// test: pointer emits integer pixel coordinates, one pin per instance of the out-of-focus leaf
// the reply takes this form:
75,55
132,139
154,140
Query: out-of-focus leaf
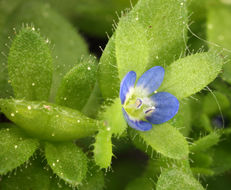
27,178
205,142
218,32
140,183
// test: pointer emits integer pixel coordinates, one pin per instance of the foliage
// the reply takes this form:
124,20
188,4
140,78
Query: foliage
61,119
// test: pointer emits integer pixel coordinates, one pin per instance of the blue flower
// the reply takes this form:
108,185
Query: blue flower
142,104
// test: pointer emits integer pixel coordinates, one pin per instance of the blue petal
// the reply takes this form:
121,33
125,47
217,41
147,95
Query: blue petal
127,82
166,107
151,79
137,124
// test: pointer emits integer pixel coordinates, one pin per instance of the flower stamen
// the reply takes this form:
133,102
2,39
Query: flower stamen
138,103
150,110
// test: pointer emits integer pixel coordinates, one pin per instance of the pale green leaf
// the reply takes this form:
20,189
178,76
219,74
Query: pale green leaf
182,120
114,119
108,72
153,33
166,140
103,148
191,74
175,179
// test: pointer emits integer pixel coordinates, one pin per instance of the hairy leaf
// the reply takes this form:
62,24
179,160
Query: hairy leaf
182,120
15,148
166,140
114,119
49,121
103,148
67,161
153,33
30,66
108,72
77,85
191,74
177,180
68,45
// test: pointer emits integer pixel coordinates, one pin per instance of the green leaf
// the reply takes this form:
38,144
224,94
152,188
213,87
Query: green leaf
221,157
97,14
57,184
30,65
68,45
191,74
103,148
198,18
15,148
182,120
49,121
177,180
204,122
221,182
28,178
114,119
157,163
140,183
77,85
6,7
214,103
201,160
67,161
94,180
93,105
166,140
202,172
144,40
218,32
132,48
6,125
205,142
108,72
124,171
